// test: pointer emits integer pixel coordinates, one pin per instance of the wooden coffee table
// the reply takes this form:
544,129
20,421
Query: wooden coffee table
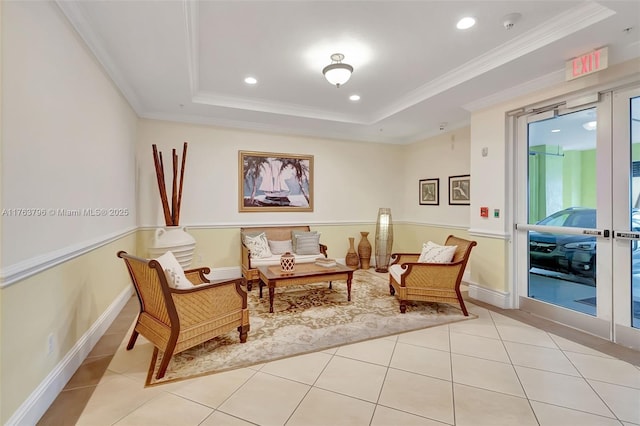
304,273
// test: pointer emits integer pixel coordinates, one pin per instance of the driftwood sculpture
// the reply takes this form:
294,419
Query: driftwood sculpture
171,212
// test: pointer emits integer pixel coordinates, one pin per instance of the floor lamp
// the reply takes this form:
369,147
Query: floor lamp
384,239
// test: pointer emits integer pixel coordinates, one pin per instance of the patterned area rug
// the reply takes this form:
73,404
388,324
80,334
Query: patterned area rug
306,319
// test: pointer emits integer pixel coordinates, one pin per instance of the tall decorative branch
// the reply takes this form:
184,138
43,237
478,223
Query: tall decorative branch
171,212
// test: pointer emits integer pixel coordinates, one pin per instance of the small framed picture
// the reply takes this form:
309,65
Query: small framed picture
429,192
459,190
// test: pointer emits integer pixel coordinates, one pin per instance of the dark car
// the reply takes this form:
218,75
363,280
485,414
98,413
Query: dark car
570,254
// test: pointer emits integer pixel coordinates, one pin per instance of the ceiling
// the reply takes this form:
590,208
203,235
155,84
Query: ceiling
186,61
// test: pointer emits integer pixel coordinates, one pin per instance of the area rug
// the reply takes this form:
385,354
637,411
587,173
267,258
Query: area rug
306,319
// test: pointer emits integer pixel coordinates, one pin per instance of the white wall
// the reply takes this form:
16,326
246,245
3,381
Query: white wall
351,179
68,142
438,157
68,137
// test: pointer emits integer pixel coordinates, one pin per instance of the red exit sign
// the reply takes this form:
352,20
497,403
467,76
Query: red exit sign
587,64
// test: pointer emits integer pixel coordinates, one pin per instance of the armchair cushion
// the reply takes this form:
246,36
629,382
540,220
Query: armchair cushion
174,273
280,247
259,245
434,253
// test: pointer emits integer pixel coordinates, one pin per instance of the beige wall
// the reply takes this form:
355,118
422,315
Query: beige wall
68,142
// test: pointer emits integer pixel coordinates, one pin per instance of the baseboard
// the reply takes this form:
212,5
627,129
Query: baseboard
34,407
492,297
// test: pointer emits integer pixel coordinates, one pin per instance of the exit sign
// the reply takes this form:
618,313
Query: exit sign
587,64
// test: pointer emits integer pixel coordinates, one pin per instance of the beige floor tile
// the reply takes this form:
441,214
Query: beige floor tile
486,374
622,400
221,419
115,397
169,410
388,416
478,327
478,407
500,319
526,334
265,399
376,351
553,415
606,369
303,368
134,363
420,395
540,357
416,359
321,408
353,378
479,347
433,337
214,389
569,346
559,389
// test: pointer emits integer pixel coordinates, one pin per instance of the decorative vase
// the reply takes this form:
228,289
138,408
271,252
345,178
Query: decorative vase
351,259
364,251
287,263
175,239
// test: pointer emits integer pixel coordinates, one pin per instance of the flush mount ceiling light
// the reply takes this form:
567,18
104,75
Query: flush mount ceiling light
250,80
337,73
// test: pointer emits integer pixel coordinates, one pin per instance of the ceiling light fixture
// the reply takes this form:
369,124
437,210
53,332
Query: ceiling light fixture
250,80
354,97
466,23
337,73
590,125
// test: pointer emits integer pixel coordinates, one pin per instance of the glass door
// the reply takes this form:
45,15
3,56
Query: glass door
563,225
577,240
626,216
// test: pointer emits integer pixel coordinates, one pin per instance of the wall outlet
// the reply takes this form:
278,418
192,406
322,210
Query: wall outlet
51,343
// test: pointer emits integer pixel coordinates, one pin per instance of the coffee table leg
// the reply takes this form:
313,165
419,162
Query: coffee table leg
330,285
349,289
260,284
271,292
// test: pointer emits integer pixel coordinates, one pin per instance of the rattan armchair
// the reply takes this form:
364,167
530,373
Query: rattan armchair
430,282
175,320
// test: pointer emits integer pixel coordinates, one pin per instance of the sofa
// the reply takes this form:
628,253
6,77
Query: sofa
299,240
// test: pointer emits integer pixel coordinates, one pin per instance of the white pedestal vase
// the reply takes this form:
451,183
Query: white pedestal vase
175,239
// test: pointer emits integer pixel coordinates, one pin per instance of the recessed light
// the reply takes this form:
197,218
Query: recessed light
354,97
250,80
466,23
555,130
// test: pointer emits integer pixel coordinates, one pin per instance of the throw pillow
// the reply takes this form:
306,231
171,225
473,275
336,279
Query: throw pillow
280,247
308,244
173,271
294,239
258,245
434,253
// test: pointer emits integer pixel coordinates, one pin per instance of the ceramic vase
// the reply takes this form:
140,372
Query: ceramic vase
364,251
352,260
287,263
175,239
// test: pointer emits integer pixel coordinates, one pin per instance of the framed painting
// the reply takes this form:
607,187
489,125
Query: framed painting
429,192
275,182
459,190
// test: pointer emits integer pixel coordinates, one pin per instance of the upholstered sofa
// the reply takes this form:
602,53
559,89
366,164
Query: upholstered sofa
280,239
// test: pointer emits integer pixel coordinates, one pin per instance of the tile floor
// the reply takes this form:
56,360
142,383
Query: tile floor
503,368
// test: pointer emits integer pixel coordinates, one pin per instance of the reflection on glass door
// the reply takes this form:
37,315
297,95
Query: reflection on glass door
634,210
562,203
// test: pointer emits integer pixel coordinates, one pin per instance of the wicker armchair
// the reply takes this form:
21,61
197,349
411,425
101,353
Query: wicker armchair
430,282
175,320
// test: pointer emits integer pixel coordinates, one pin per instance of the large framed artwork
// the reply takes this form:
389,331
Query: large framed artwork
459,190
429,192
275,182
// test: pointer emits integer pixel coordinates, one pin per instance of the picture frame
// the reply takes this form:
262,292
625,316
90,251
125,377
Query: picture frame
460,190
275,182
429,192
